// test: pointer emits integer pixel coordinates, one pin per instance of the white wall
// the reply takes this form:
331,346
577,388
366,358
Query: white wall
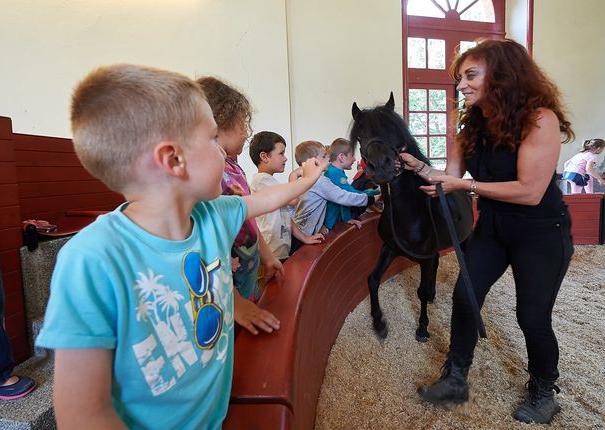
341,51
569,43
517,12
301,62
48,45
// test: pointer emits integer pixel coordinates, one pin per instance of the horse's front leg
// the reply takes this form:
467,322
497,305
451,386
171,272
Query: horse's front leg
426,294
384,261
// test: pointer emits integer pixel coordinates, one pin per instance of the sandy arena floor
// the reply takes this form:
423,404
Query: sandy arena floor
372,385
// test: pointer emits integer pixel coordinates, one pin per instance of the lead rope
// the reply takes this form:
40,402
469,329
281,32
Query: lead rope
468,286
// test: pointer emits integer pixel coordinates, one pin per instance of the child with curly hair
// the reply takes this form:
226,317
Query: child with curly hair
232,113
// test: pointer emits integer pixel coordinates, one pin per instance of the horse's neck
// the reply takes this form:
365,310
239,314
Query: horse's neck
407,220
406,197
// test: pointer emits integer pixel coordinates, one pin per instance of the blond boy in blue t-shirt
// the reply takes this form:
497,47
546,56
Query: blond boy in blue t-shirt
141,306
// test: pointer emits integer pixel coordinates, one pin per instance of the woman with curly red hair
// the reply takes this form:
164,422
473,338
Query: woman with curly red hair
509,141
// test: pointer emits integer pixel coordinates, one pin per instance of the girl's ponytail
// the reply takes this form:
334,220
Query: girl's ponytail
591,144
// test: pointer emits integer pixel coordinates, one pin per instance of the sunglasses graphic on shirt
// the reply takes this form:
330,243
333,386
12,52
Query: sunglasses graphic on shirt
207,315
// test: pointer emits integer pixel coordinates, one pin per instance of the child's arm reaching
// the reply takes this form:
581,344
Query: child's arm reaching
272,266
251,317
82,391
293,176
355,222
271,198
307,240
591,168
333,193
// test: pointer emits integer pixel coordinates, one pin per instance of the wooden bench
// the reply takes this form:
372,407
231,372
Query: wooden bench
277,377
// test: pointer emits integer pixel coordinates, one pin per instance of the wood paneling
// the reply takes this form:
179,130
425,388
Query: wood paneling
258,417
60,188
9,261
12,281
20,347
8,193
14,324
52,180
10,238
13,303
10,241
8,171
6,128
29,142
52,174
9,216
40,178
57,205
46,158
585,211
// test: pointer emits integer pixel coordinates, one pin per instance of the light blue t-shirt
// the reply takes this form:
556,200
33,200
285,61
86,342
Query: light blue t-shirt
165,307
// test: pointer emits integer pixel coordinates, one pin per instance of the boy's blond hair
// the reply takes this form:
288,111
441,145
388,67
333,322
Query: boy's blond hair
339,146
307,149
120,111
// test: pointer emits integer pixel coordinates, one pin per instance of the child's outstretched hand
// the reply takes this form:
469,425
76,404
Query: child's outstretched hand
355,222
312,240
295,174
237,189
273,268
312,169
251,317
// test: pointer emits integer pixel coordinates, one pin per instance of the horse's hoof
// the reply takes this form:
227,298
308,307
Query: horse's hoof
422,336
381,330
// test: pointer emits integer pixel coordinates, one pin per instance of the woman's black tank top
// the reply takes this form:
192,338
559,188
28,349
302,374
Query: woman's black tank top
488,164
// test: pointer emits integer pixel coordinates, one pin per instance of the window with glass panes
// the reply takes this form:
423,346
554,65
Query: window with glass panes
435,30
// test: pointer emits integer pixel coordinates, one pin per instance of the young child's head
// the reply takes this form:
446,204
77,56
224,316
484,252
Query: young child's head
310,149
268,152
593,145
341,154
135,127
232,113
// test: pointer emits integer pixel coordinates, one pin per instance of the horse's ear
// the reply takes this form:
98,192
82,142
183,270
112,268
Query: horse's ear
391,103
355,111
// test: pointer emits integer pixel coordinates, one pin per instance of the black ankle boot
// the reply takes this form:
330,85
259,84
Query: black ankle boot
452,386
539,405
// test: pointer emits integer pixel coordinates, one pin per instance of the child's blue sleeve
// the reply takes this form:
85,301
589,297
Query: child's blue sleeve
340,180
82,311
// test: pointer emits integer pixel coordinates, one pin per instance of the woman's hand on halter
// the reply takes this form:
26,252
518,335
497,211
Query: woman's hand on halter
409,161
448,182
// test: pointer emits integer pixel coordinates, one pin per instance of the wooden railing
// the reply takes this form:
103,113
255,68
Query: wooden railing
277,377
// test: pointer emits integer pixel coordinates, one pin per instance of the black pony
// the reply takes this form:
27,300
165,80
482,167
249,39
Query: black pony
412,223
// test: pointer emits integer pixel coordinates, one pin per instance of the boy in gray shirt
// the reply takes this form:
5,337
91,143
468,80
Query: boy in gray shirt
311,207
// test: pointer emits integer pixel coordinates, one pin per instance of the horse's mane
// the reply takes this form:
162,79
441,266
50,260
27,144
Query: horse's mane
385,124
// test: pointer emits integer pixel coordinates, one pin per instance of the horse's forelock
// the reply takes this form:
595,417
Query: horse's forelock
387,125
